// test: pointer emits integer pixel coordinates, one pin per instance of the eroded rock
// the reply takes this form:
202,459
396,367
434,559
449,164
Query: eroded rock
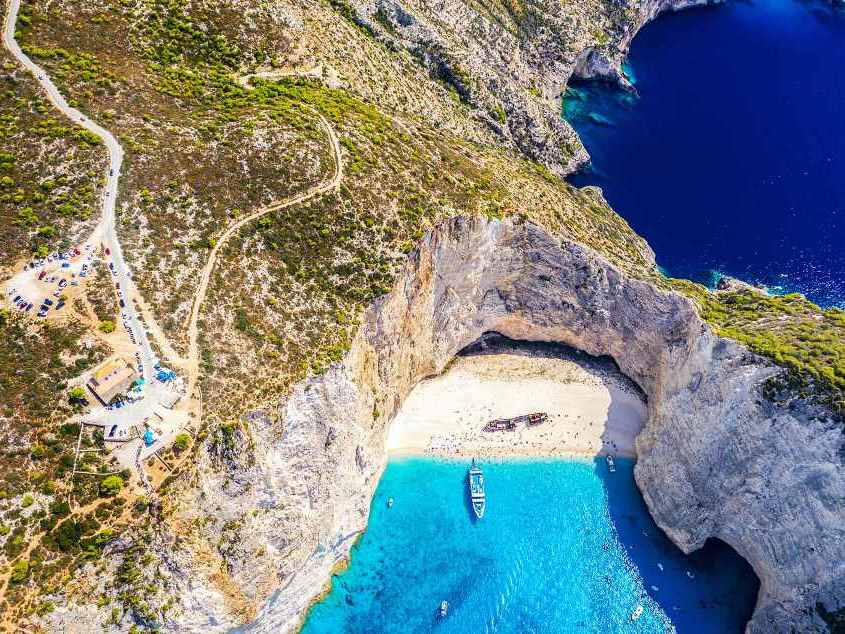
715,458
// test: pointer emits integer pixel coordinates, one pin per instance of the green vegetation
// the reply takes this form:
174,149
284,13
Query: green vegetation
20,571
790,330
181,442
49,170
76,394
34,360
100,294
498,113
289,290
111,485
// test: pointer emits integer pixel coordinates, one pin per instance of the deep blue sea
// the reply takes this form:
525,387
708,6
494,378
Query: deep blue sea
732,156
564,546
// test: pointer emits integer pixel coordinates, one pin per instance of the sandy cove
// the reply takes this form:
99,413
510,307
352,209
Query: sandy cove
593,409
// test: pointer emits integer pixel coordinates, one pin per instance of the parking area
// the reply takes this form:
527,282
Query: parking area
43,285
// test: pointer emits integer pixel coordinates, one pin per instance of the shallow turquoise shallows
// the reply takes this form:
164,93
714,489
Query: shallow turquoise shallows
564,546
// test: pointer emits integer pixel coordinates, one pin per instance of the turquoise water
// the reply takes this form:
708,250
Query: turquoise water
564,546
730,158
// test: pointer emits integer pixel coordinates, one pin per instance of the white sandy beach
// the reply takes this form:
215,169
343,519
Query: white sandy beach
592,409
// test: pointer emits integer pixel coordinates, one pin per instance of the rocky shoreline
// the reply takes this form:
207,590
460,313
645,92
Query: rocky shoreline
512,69
715,458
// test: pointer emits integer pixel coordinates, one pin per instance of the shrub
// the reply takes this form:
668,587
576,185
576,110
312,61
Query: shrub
181,443
20,571
111,485
76,394
27,500
107,326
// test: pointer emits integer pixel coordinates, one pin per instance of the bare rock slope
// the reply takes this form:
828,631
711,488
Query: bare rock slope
716,459
510,62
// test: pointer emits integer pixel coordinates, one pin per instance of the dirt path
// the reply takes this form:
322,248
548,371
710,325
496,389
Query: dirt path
317,190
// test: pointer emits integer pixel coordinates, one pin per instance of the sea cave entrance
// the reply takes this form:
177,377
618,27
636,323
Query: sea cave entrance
592,408
566,543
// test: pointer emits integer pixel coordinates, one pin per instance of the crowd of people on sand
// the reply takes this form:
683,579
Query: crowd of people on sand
524,442
576,426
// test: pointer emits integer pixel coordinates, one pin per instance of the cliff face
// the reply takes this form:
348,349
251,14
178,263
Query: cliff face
510,62
715,458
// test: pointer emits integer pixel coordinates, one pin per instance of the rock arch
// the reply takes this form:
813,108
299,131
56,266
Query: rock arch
715,459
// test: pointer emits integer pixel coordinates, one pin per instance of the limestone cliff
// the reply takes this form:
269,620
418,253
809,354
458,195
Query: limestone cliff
715,458
510,62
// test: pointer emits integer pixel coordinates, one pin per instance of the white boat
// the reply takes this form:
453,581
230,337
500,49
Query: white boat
637,613
476,490
444,608
389,502
611,466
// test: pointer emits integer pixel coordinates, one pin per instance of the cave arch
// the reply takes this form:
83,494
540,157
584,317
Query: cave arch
705,455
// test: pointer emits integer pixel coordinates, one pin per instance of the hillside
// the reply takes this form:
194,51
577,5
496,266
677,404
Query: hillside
228,115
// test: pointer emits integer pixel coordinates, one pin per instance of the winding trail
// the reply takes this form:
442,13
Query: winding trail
105,229
202,290
106,232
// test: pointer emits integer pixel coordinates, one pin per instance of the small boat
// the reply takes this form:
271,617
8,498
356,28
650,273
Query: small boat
444,608
389,502
476,490
637,613
611,466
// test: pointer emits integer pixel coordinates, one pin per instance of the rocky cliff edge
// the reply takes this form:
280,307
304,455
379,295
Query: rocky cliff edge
715,458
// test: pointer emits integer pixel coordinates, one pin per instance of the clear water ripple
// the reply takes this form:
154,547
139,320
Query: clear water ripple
563,547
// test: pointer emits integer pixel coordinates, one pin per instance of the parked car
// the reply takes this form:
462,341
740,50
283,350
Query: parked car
65,265
59,305
48,301
42,312
41,275
122,303
17,299
29,307
74,283
108,251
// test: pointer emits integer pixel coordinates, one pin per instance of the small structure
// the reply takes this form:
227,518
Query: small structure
500,424
170,399
509,424
110,379
164,375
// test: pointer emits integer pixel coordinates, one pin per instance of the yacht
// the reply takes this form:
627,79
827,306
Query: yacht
476,490
611,466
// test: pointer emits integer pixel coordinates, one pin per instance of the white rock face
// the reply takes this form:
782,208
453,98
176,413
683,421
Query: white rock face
715,458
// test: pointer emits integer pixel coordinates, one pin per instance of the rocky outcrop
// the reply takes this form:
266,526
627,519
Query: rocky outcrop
715,458
605,62
511,62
